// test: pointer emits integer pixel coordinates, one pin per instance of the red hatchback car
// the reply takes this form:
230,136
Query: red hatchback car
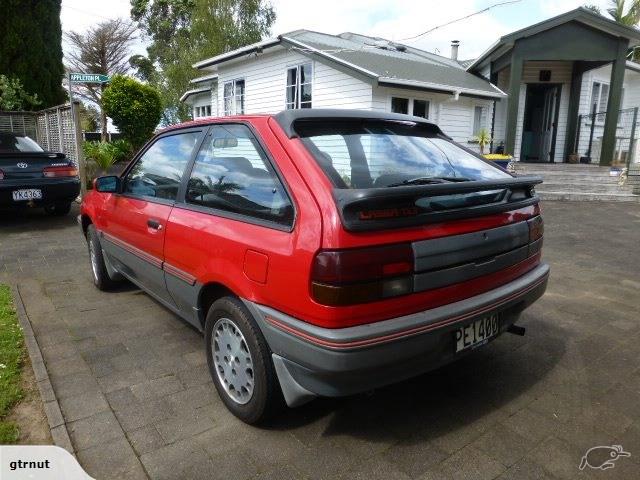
321,252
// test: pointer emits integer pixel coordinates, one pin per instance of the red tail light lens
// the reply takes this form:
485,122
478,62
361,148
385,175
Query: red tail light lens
1,175
346,277
61,171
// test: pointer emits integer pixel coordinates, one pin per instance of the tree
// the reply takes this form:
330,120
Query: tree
102,49
31,47
89,118
629,17
13,96
183,32
134,107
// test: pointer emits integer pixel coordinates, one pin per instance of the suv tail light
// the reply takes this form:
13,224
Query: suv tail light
1,175
346,277
61,171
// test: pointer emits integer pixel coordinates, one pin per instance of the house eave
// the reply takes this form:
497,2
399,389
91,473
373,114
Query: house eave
225,57
192,92
205,78
450,89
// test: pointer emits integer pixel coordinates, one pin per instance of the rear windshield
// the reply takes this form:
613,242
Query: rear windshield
10,143
375,154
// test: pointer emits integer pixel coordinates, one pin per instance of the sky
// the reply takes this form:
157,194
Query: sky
391,19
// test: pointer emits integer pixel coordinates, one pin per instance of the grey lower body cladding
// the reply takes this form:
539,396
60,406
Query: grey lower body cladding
313,361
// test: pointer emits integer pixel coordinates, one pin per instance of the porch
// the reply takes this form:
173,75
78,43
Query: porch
548,71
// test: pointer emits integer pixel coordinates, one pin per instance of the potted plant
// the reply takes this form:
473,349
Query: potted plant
483,138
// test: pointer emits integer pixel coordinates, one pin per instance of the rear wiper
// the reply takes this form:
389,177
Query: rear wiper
428,181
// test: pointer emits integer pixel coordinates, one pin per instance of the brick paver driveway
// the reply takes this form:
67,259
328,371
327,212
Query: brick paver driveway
137,398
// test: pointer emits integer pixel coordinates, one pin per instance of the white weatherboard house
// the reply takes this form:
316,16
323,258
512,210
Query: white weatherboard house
532,89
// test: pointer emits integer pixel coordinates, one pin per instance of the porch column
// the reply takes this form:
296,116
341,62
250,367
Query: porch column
574,106
613,104
515,78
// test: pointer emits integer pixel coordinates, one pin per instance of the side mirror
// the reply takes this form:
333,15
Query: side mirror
109,184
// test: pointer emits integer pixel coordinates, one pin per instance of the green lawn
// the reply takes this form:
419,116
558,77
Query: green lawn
11,361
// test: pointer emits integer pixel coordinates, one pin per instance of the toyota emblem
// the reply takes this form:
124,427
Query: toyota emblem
21,165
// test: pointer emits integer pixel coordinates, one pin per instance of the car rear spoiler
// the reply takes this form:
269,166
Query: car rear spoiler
408,206
51,155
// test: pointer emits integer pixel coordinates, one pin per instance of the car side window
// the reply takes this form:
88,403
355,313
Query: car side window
159,170
232,173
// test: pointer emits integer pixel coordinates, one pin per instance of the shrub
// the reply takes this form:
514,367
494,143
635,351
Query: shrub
14,97
123,150
134,107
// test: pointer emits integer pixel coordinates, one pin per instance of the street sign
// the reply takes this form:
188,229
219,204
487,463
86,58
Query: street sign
88,78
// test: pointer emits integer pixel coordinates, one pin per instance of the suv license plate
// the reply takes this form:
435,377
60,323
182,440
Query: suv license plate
26,195
477,333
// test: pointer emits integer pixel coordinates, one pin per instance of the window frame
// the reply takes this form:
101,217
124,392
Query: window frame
297,102
233,96
486,113
410,105
241,217
181,188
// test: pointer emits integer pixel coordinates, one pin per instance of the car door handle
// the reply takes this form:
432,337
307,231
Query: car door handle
155,224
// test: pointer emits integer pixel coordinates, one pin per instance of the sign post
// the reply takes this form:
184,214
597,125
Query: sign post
75,115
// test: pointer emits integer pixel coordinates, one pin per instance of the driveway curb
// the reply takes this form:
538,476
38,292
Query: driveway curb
55,419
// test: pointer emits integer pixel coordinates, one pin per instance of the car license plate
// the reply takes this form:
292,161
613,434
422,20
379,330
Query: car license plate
27,194
477,333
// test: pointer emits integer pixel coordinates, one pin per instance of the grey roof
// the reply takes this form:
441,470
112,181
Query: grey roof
466,63
391,63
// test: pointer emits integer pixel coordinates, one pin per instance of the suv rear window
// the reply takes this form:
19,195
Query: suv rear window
375,154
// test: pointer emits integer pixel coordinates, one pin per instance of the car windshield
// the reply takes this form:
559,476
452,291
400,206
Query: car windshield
374,154
11,143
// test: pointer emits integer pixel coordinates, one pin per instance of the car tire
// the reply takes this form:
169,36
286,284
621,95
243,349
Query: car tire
99,272
230,333
58,209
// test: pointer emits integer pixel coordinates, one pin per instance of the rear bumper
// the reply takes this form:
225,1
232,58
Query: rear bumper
314,361
53,191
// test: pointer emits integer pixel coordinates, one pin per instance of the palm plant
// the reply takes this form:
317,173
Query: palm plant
100,157
629,17
483,138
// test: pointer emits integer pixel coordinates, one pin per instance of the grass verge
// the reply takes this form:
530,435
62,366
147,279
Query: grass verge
11,360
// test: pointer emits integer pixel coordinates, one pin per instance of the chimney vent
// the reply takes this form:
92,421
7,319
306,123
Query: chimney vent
455,44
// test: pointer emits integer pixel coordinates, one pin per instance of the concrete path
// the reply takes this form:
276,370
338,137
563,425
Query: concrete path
137,400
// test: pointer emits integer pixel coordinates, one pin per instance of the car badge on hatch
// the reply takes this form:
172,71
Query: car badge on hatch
21,165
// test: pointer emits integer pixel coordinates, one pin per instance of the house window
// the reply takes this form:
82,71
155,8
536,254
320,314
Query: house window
479,119
299,86
418,108
203,111
421,108
233,97
599,97
400,105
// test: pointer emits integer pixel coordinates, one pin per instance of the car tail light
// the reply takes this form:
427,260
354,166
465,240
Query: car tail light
536,228
61,171
1,175
346,277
